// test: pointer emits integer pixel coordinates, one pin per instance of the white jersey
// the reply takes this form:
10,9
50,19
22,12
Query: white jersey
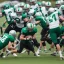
21,23
8,12
31,13
53,20
56,9
34,6
44,11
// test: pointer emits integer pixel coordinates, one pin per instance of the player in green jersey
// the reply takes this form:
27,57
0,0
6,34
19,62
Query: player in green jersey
26,37
7,39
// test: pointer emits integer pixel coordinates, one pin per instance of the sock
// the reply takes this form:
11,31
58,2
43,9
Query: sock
39,48
60,53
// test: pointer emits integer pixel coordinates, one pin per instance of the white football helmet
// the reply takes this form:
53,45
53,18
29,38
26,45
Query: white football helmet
13,33
51,10
19,9
38,14
30,25
48,4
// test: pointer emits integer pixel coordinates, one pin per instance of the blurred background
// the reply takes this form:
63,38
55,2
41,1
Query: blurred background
24,0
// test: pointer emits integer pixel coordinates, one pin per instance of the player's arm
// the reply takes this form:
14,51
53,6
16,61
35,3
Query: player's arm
22,37
4,23
37,22
24,18
10,46
1,14
62,18
34,36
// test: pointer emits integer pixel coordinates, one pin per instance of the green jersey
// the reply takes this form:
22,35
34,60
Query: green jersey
4,40
26,32
42,21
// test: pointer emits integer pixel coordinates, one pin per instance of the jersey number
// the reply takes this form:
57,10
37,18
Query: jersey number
53,17
3,39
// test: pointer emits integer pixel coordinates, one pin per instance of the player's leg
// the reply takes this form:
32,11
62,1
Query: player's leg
36,43
29,46
43,32
54,40
19,50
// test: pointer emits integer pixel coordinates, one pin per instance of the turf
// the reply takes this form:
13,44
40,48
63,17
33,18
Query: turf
25,59
45,58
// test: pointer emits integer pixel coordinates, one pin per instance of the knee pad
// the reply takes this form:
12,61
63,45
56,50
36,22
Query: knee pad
36,43
44,44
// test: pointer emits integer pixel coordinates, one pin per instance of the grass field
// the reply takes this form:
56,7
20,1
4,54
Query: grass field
45,58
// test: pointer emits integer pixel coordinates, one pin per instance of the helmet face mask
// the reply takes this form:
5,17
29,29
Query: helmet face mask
58,3
27,10
18,13
47,7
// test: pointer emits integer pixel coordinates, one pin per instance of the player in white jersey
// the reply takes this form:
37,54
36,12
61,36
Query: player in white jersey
45,9
31,13
33,4
22,5
6,12
54,29
57,5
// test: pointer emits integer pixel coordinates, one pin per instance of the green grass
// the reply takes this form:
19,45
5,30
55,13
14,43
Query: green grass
25,59
30,59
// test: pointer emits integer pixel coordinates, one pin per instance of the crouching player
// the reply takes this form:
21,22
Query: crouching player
26,37
8,39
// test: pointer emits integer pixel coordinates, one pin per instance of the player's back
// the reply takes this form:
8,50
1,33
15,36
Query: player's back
54,20
4,40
